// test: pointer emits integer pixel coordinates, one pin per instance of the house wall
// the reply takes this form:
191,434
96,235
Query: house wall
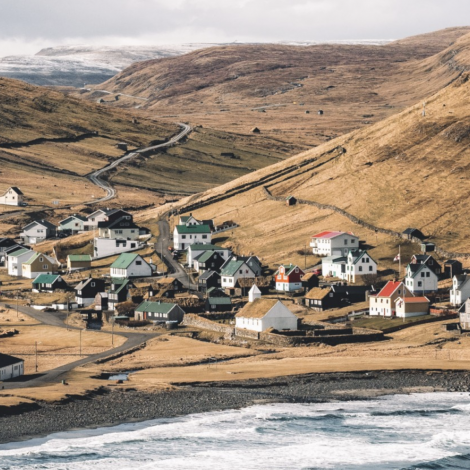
231,281
330,268
14,370
75,225
104,247
406,310
133,270
78,264
15,264
11,198
428,284
354,272
459,294
194,253
31,271
339,245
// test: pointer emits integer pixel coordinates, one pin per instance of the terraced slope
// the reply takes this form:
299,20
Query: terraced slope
408,170
280,88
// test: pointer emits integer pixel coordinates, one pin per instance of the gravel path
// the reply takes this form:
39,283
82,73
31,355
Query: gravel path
115,405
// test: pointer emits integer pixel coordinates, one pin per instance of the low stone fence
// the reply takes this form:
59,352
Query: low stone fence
241,333
205,324
402,326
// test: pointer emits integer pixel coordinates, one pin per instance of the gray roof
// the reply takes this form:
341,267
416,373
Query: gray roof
6,360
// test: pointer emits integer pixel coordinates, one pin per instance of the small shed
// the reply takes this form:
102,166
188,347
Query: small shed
78,262
159,312
10,367
309,281
49,283
452,268
122,146
218,304
291,201
320,112
427,247
255,130
410,233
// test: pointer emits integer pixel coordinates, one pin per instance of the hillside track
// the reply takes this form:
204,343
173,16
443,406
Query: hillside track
107,187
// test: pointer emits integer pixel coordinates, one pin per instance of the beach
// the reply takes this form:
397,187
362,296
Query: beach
109,406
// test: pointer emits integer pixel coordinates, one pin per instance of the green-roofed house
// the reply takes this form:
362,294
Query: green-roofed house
73,224
130,265
209,261
186,235
197,249
38,264
234,270
218,304
159,312
49,283
15,260
75,262
118,292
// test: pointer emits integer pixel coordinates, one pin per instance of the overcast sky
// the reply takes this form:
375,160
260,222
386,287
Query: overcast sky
28,25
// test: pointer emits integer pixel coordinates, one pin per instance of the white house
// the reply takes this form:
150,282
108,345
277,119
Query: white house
94,218
254,293
10,367
383,303
359,263
186,235
406,307
197,249
233,271
420,279
330,243
191,220
104,247
123,227
12,197
130,265
38,231
16,259
460,291
73,224
334,266
263,313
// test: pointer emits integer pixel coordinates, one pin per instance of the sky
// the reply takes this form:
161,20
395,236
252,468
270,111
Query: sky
26,26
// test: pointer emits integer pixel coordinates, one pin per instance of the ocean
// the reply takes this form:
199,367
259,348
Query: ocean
417,431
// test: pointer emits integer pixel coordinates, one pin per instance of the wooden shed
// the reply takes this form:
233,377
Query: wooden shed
291,201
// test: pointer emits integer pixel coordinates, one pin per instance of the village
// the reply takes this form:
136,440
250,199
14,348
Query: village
124,278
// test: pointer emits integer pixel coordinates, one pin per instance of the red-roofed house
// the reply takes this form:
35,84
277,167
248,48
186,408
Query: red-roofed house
384,302
411,306
331,243
288,278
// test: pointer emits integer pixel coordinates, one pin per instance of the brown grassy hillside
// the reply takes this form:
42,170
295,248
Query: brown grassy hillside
274,86
408,170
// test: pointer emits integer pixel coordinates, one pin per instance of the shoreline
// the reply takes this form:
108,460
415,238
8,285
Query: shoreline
108,407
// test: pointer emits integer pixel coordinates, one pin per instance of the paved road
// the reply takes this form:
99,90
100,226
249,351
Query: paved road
55,375
106,186
163,241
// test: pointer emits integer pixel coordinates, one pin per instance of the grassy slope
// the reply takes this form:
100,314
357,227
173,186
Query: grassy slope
407,170
354,85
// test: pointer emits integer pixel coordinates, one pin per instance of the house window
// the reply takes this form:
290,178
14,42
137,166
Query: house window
360,268
370,268
45,266
41,259
183,237
138,263
241,271
346,241
428,274
92,284
420,283
132,231
422,274
204,237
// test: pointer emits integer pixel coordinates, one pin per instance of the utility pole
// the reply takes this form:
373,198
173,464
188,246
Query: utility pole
112,333
305,256
17,298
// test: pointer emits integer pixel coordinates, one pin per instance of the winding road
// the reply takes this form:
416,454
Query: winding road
54,375
106,186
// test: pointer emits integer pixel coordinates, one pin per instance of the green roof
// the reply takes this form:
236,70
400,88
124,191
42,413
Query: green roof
79,257
33,258
19,252
124,260
220,300
154,307
206,256
231,268
206,247
46,279
184,229
288,268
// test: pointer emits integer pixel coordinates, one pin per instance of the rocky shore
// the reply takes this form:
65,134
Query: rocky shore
115,405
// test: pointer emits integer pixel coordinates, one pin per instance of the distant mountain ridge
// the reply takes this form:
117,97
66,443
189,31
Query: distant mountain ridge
76,65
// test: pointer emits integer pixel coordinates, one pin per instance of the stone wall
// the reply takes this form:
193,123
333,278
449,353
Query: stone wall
204,323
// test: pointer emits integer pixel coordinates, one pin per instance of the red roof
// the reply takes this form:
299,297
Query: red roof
389,288
327,234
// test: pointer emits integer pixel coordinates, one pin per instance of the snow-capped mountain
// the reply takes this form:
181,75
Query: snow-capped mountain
81,64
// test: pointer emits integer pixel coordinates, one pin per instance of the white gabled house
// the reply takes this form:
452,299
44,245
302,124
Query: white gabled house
334,266
94,218
420,279
460,291
383,303
73,224
359,263
186,235
10,367
262,313
38,231
15,260
406,307
12,197
130,265
197,249
104,247
331,243
233,271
